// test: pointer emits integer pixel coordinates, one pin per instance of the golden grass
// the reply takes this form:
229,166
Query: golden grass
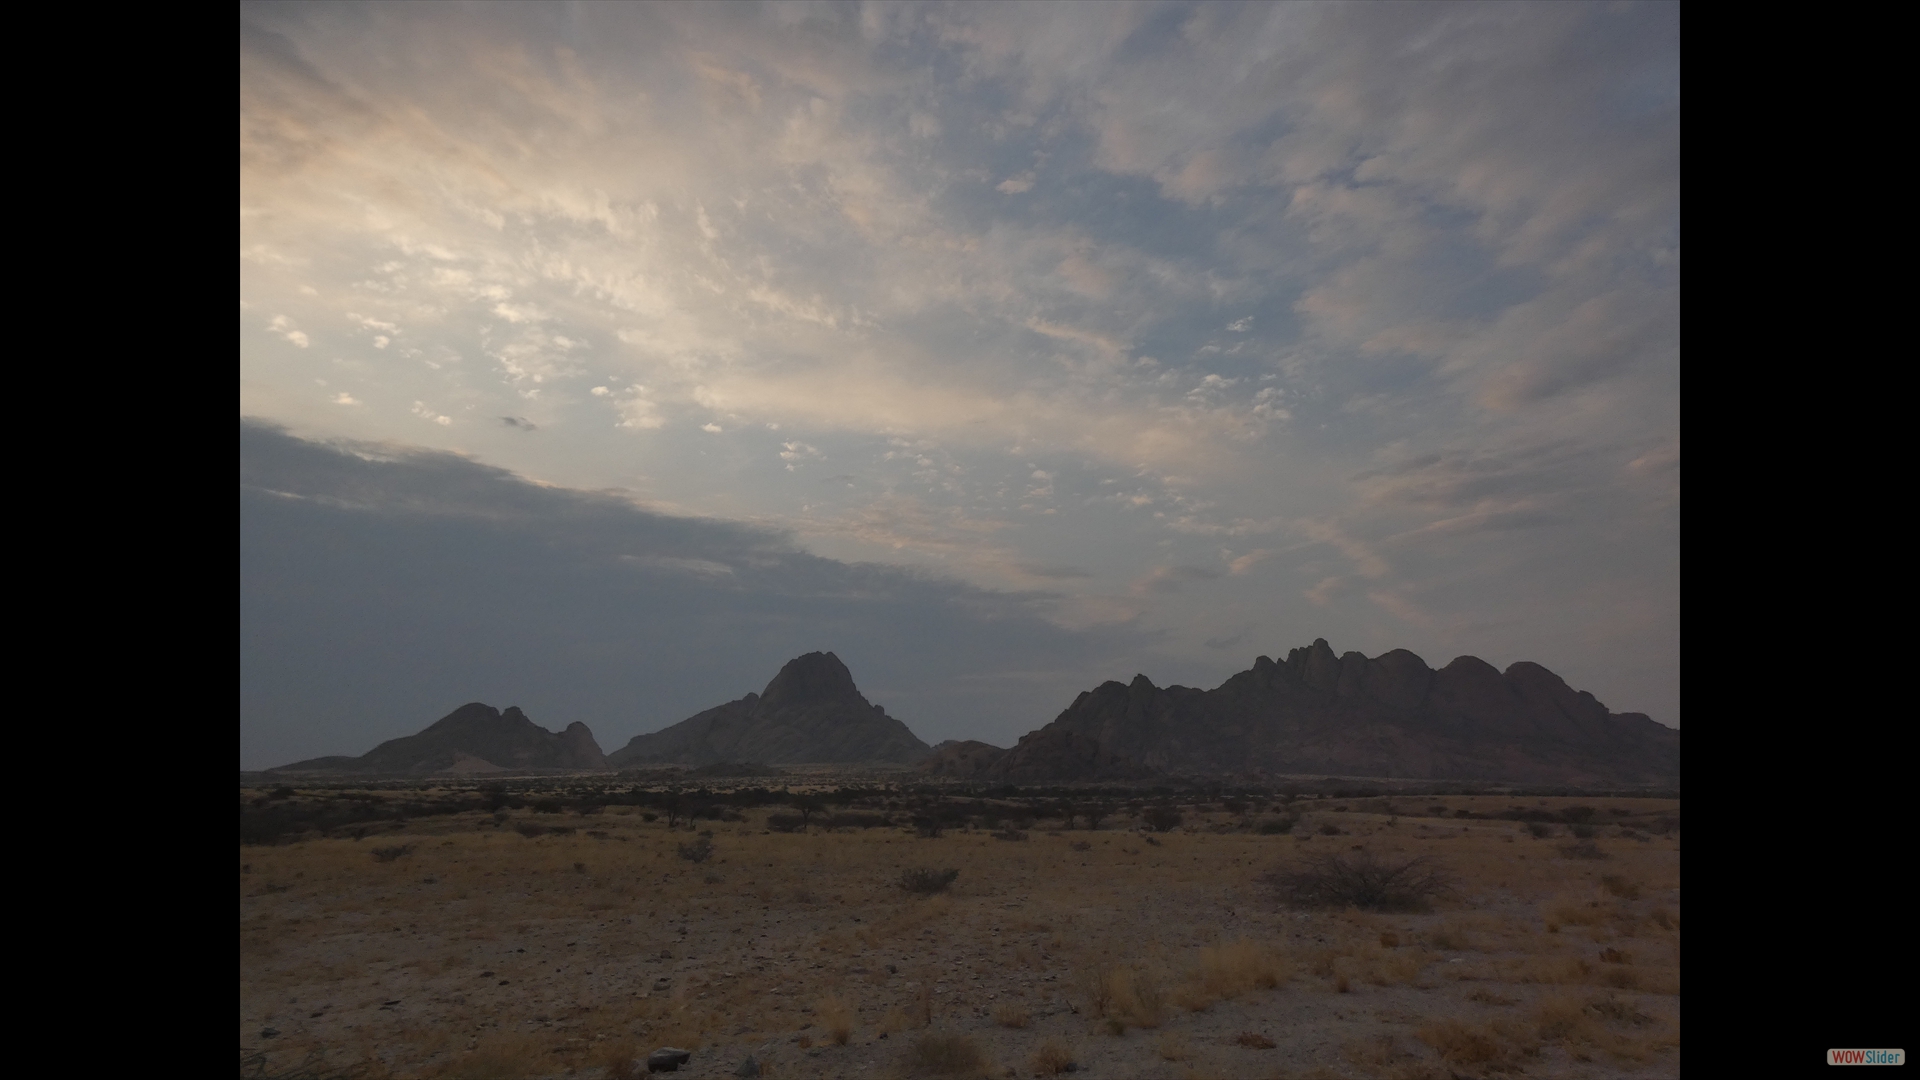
1052,1058
1009,1015
836,1018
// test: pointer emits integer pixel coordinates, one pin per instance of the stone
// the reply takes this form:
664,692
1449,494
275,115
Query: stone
748,1068
668,1059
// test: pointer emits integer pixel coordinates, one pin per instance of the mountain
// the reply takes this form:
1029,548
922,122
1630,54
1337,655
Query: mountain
1348,715
810,712
474,738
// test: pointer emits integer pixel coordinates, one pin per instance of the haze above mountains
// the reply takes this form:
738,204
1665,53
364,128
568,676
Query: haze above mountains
1313,712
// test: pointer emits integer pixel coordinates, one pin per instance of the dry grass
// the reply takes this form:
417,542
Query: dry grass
1126,996
836,1018
1173,1046
578,928
1009,1015
946,1054
1052,1058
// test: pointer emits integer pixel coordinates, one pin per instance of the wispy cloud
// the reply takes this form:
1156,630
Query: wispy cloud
1383,295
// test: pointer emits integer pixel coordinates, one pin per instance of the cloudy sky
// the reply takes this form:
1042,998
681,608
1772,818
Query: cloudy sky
599,358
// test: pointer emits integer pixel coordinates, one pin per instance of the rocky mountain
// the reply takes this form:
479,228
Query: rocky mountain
810,713
474,738
1315,712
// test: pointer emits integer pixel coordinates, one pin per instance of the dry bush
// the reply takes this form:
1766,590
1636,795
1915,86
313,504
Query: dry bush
1173,1046
946,1054
1363,881
1007,1014
1461,1043
1620,886
926,882
836,1017
1583,849
388,854
1389,939
1052,1059
1253,1040
1126,997
1080,845
1226,971
697,852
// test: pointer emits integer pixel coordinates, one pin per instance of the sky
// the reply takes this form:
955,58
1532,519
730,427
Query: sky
598,359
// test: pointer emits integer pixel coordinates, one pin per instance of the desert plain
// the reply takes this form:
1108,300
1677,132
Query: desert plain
557,928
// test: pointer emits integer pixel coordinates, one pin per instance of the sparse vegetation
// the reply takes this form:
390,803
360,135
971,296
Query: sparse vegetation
1363,881
697,852
836,1018
1556,954
1052,1058
926,882
388,854
946,1054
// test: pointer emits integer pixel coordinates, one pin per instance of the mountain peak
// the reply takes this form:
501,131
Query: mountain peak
815,676
810,712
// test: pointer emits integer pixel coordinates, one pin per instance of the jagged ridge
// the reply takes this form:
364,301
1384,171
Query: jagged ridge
1313,712
471,739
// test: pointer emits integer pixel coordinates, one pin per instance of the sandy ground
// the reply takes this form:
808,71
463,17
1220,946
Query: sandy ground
482,952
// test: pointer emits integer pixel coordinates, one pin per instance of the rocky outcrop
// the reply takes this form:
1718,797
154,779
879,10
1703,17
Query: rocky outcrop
961,759
473,739
1349,715
810,713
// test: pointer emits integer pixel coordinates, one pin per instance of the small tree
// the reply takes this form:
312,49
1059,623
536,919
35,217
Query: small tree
1162,818
1095,813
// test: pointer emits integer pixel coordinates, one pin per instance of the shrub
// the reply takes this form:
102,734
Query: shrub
946,1054
1460,1043
1620,887
1010,834
1007,1014
1253,1040
1583,849
697,852
388,854
926,882
785,823
836,1016
1162,818
1330,829
1080,845
1362,881
1052,1058
1276,826
1583,832
1540,829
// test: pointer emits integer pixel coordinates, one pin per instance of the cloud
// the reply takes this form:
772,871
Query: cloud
382,585
1390,290
1169,578
520,423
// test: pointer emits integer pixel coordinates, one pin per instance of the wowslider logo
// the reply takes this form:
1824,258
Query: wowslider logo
1866,1057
